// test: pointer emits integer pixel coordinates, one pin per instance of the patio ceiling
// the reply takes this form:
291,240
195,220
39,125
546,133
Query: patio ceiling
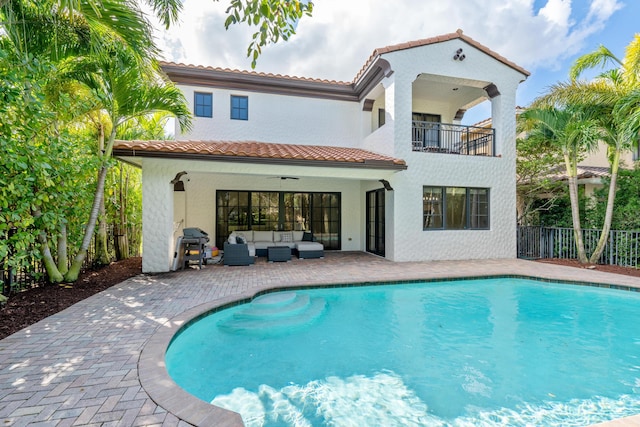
462,93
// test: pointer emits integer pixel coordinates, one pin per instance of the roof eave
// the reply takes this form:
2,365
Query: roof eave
228,79
366,164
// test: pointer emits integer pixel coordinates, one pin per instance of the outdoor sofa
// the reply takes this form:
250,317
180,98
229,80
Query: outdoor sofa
301,243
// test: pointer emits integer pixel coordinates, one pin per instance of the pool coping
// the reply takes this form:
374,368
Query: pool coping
156,381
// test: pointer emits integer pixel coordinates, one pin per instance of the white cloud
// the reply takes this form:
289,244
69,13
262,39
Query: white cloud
341,35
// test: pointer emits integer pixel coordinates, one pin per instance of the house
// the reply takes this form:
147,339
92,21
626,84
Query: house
379,164
595,166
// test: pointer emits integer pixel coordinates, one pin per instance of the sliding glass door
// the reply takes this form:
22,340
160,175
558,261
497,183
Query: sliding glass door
375,221
319,213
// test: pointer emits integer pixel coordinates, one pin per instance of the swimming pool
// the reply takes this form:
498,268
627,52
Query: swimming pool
482,352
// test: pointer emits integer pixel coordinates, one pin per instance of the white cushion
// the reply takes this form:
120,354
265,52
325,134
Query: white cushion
263,236
290,245
309,246
248,234
252,249
262,245
232,238
297,235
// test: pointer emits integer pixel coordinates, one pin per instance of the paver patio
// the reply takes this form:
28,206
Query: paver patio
79,367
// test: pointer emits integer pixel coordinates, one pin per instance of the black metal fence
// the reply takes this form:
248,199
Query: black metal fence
434,137
622,248
34,274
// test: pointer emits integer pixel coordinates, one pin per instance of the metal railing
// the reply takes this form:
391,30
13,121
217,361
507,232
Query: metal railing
622,248
434,137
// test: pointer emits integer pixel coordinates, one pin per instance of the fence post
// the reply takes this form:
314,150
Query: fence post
611,247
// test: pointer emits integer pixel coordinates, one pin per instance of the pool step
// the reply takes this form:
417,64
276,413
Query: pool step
274,299
267,317
261,310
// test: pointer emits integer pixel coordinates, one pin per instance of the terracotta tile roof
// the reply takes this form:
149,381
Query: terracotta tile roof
218,150
377,52
254,73
439,39
584,172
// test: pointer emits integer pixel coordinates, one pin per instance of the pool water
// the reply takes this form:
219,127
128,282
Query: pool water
461,353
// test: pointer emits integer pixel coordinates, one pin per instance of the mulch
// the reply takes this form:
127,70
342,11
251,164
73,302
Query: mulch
28,307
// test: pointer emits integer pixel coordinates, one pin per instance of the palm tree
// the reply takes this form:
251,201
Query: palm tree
122,90
613,99
574,133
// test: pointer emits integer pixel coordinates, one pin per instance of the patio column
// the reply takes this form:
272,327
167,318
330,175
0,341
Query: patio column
157,217
398,100
504,122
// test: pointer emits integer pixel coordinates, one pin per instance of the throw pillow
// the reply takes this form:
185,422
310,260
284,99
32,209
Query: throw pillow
285,237
241,239
232,238
307,237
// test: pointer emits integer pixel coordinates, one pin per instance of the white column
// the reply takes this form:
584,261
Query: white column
402,107
503,116
400,202
157,217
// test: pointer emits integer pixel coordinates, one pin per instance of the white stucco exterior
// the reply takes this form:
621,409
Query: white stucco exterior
424,79
277,118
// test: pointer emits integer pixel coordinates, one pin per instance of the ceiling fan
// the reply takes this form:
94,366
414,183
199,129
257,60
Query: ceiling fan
283,177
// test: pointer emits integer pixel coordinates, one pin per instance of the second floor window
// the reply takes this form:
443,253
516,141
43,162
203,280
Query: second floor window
203,104
239,107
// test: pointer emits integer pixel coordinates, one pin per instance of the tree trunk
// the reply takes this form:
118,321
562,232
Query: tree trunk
575,209
102,253
53,274
63,261
74,270
608,217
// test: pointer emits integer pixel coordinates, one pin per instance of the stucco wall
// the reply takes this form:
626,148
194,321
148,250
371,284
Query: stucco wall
157,216
279,119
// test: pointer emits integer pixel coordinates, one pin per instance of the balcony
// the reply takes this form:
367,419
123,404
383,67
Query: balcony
447,138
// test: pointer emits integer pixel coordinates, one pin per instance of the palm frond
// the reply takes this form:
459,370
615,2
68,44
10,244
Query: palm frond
600,57
123,19
166,10
632,59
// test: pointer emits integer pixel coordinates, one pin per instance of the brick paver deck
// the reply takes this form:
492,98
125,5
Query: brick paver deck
79,367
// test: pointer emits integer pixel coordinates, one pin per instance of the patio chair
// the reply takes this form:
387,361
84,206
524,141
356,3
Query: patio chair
237,254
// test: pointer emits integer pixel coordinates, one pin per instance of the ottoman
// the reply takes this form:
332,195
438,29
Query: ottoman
278,253
310,250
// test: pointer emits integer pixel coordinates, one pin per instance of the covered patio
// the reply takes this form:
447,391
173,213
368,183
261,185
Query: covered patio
221,187
80,366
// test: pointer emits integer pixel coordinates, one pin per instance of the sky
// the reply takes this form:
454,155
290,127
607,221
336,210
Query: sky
543,36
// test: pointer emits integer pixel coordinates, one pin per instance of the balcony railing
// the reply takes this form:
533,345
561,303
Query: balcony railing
431,137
